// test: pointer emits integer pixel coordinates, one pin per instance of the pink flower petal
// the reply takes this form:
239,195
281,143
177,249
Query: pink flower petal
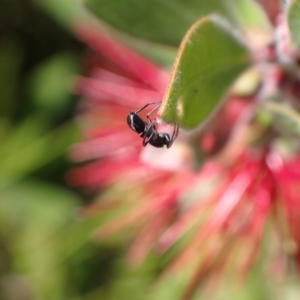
141,68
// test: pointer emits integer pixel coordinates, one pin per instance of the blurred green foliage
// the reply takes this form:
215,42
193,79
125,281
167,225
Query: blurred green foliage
45,252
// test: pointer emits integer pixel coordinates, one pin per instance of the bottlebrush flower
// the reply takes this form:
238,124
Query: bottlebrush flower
246,176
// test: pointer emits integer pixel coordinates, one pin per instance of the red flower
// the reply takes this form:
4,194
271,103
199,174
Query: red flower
243,182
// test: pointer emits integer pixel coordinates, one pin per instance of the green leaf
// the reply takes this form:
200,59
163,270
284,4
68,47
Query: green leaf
209,60
167,21
293,18
160,21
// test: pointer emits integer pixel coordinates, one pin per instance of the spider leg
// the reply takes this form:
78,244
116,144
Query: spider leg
147,138
148,115
146,105
174,135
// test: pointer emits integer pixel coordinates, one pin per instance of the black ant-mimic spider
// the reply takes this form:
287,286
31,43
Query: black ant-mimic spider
148,130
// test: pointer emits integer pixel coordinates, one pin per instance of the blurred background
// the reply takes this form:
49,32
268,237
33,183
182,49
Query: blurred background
45,251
